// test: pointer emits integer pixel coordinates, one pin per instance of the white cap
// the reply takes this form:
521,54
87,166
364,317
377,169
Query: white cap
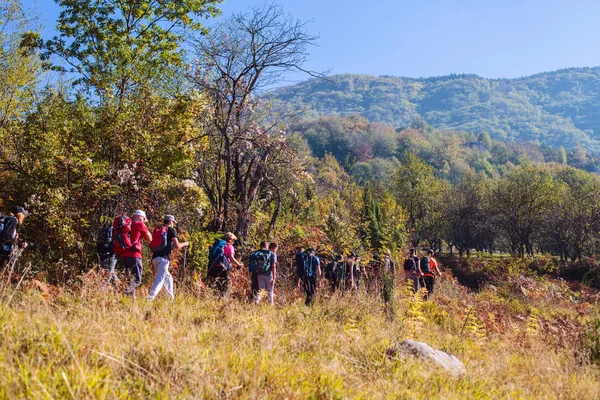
140,213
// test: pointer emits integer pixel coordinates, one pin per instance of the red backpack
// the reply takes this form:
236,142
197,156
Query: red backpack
122,234
159,239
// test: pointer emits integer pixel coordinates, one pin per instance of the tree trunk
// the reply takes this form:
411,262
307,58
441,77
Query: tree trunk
273,224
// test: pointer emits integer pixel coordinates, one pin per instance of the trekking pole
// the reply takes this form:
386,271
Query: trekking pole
184,264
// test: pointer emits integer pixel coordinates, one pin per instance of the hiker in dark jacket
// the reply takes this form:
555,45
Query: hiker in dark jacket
11,245
218,272
335,272
412,272
309,273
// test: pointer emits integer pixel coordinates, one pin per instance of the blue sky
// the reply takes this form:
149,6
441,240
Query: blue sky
491,38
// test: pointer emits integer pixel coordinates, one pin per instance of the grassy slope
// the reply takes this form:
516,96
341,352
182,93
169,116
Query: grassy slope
520,340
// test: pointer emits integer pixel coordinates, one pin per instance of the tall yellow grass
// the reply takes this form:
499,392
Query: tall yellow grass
87,344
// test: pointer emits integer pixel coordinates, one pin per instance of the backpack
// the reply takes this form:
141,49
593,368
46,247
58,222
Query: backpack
329,270
106,243
410,265
8,228
425,268
338,270
300,261
309,269
122,234
159,240
216,258
260,261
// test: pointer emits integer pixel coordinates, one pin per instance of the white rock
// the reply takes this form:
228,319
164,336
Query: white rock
425,351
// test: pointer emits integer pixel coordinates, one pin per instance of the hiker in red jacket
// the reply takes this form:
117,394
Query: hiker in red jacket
132,256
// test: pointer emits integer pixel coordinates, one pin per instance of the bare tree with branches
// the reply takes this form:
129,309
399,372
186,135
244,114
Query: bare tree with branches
246,139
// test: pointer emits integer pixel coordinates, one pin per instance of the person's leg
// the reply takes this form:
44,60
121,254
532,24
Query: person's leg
428,281
112,274
262,285
309,288
430,285
169,283
4,260
416,284
254,287
135,268
160,266
222,283
128,263
269,288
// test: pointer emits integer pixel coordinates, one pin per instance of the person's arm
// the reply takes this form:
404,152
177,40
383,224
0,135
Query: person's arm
230,254
350,264
436,269
318,273
145,234
176,244
236,262
419,272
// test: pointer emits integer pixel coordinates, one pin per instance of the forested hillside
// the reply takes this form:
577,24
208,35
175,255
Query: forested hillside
556,108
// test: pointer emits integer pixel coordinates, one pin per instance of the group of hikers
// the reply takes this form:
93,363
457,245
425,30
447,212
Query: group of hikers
342,274
122,242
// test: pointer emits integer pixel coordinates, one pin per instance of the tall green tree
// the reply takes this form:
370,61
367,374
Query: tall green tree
118,47
372,220
575,215
19,68
422,195
466,214
522,200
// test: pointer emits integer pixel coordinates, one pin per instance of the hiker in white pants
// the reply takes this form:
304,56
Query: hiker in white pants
164,240
266,279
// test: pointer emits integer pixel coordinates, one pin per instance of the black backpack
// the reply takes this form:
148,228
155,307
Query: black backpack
425,268
410,265
106,244
8,228
300,261
334,271
338,271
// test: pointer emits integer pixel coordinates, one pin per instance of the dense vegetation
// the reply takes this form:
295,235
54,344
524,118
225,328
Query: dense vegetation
132,132
556,108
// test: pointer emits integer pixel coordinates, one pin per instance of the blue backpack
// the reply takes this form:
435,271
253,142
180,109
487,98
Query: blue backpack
216,258
310,269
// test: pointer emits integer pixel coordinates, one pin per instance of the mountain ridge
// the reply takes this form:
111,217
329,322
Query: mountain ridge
558,108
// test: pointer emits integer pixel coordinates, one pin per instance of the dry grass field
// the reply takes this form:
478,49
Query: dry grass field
529,339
